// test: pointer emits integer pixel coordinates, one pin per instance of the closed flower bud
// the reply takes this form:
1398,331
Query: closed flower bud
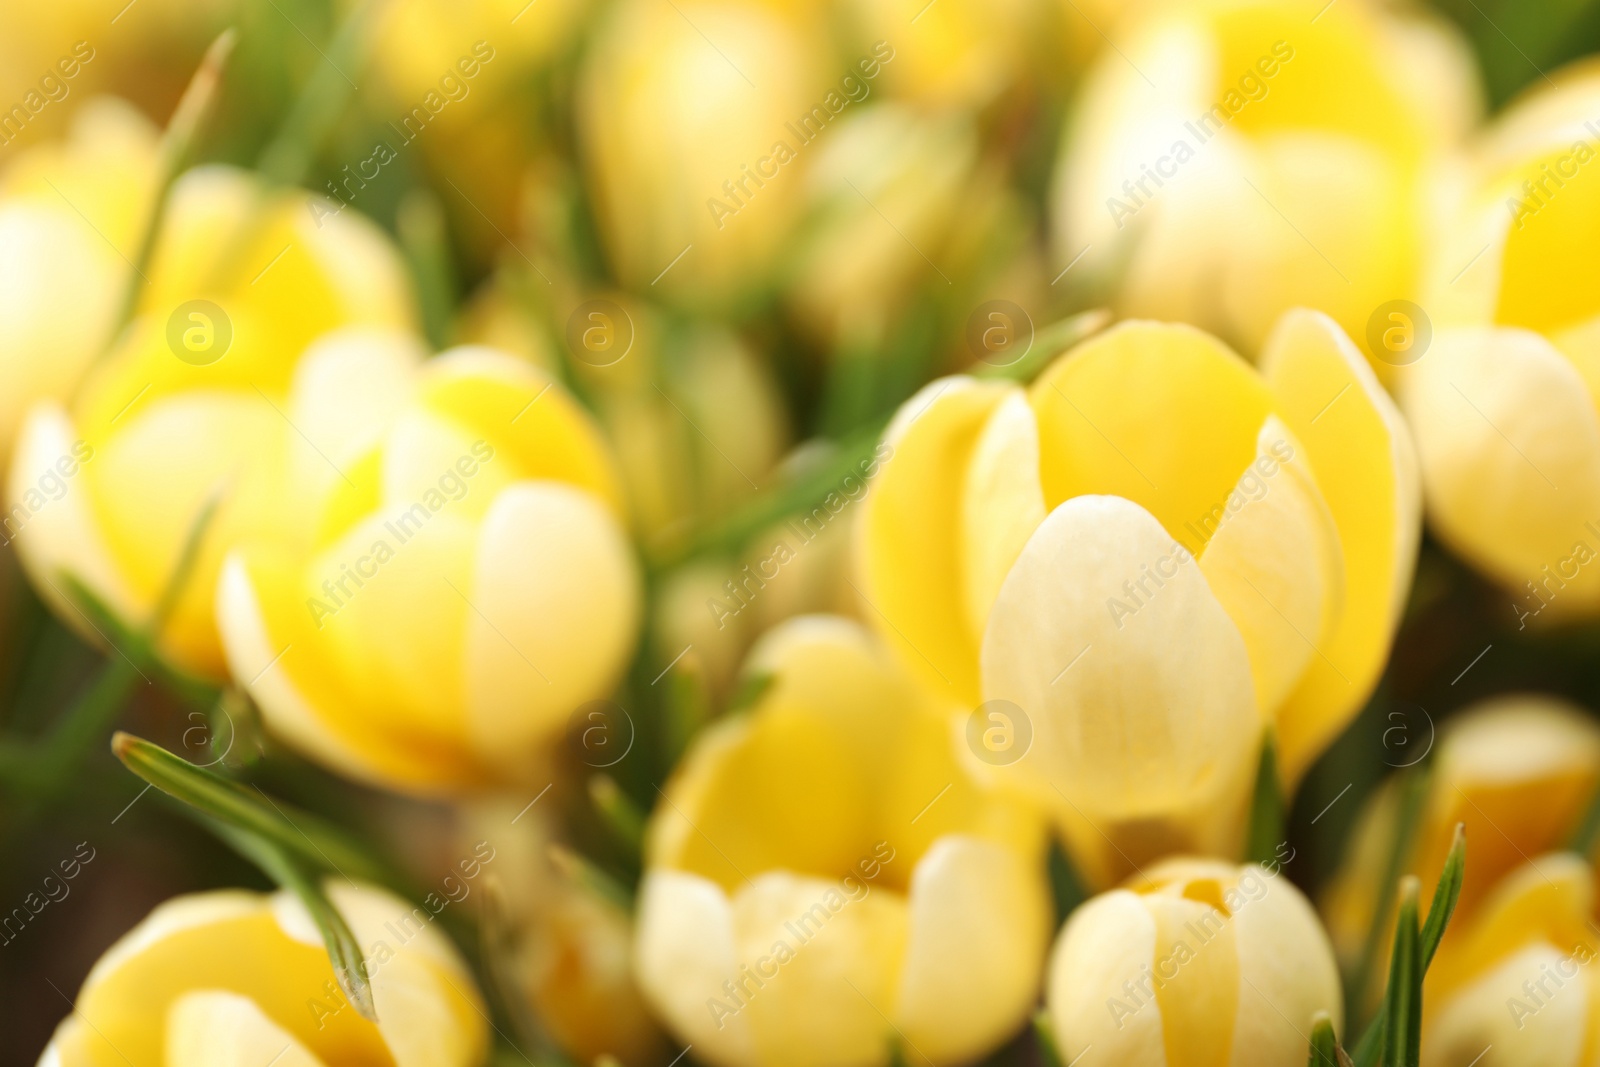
193,404
694,165
1229,160
1505,404
823,879
1518,771
1193,956
467,584
230,977
1517,986
70,219
1147,555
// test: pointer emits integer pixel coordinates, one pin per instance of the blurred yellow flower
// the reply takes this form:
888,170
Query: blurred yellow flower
693,147
193,401
71,215
822,877
959,54
1034,551
1505,404
1517,987
1231,159
1517,770
1193,961
230,979
467,584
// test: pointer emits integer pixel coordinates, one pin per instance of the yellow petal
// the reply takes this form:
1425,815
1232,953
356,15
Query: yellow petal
212,1028
1001,505
553,615
1161,414
1289,964
979,927
1136,682
1366,468
909,543
1274,563
1510,443
1495,1022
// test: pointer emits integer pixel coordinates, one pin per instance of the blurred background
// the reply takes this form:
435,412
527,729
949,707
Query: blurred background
571,180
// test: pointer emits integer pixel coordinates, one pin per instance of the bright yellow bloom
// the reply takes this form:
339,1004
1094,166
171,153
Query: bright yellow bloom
1146,555
958,55
468,583
1506,403
234,979
193,403
1518,771
71,214
1518,986
1231,159
822,875
673,130
1193,961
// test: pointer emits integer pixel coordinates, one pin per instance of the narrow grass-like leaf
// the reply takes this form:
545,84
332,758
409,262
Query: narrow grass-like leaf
1045,1034
344,952
1402,1002
620,814
1413,787
1324,1043
301,834
1266,807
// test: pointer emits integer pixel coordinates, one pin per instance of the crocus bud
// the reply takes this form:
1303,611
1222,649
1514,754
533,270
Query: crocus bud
1193,955
1143,558
823,878
468,583
231,977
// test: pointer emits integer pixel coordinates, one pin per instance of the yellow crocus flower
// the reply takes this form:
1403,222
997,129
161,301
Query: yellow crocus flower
231,979
1505,403
1231,159
823,878
1144,557
467,584
1193,961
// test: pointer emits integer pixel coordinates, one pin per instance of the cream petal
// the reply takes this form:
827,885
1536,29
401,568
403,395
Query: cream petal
555,609
683,952
1366,469
1274,564
1107,946
1510,443
1288,970
1494,1022
214,1028
840,958
1002,503
980,922
348,386
1158,716
909,547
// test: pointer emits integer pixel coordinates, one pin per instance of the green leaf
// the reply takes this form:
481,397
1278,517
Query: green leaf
1587,834
1324,1044
688,706
620,814
344,952
1045,1034
1266,808
1413,786
1445,894
1402,1028
304,836
425,238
